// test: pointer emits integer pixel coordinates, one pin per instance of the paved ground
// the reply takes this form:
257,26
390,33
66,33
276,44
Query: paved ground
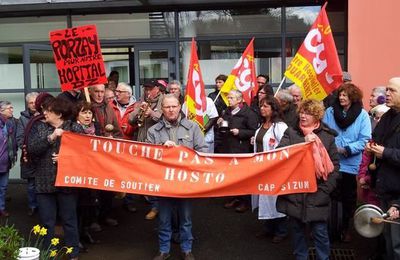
219,233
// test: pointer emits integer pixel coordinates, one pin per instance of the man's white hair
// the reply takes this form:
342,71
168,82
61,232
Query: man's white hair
126,87
285,95
30,96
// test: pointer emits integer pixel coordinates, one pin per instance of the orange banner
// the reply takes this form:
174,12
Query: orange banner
316,67
133,167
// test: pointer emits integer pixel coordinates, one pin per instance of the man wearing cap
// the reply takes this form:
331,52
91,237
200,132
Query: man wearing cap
386,148
147,113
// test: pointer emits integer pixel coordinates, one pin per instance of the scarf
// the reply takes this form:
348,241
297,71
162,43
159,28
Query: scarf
88,129
103,115
345,119
323,163
172,128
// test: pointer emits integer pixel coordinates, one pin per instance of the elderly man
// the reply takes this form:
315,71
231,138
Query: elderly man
172,130
175,87
295,91
104,115
8,150
385,147
123,105
146,114
28,171
109,95
290,116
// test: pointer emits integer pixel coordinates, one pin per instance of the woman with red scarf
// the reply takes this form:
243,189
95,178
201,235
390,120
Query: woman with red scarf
312,208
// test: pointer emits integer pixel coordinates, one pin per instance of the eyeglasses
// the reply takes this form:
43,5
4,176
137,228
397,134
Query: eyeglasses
8,108
120,91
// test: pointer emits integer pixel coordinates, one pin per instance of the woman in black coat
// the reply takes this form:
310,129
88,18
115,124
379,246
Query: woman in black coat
312,208
242,124
43,147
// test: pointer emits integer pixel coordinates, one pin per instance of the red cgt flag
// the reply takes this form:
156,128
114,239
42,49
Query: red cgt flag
316,68
242,77
195,93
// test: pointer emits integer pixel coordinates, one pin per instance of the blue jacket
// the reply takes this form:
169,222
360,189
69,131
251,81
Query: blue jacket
353,139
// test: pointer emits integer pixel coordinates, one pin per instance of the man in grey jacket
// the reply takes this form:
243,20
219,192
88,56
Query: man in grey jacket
172,130
28,170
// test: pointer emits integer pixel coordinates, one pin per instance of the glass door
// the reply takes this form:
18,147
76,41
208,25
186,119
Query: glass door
40,73
153,61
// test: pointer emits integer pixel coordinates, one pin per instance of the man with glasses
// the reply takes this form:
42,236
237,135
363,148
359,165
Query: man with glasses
8,150
109,95
172,130
123,105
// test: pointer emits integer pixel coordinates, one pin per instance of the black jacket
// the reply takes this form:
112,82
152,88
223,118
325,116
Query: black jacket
309,207
219,103
387,173
28,168
40,150
247,122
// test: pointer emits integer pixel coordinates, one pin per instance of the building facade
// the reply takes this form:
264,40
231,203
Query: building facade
144,39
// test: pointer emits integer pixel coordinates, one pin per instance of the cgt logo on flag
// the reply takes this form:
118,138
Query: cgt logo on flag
242,77
195,93
316,67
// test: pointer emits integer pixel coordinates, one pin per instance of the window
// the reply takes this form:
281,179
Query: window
230,22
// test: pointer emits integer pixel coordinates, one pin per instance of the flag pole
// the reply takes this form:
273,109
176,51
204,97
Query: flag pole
219,93
280,85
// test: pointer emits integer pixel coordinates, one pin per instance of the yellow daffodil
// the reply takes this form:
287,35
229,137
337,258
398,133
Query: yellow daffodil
69,250
55,241
43,231
53,253
36,229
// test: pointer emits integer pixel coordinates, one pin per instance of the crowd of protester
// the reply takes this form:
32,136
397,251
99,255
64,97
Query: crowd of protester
356,154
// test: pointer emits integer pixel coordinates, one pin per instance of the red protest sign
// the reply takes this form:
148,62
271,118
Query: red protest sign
78,58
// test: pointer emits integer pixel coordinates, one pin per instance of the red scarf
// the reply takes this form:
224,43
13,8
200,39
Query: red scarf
323,163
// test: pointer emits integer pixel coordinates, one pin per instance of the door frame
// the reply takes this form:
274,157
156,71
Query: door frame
169,47
26,58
